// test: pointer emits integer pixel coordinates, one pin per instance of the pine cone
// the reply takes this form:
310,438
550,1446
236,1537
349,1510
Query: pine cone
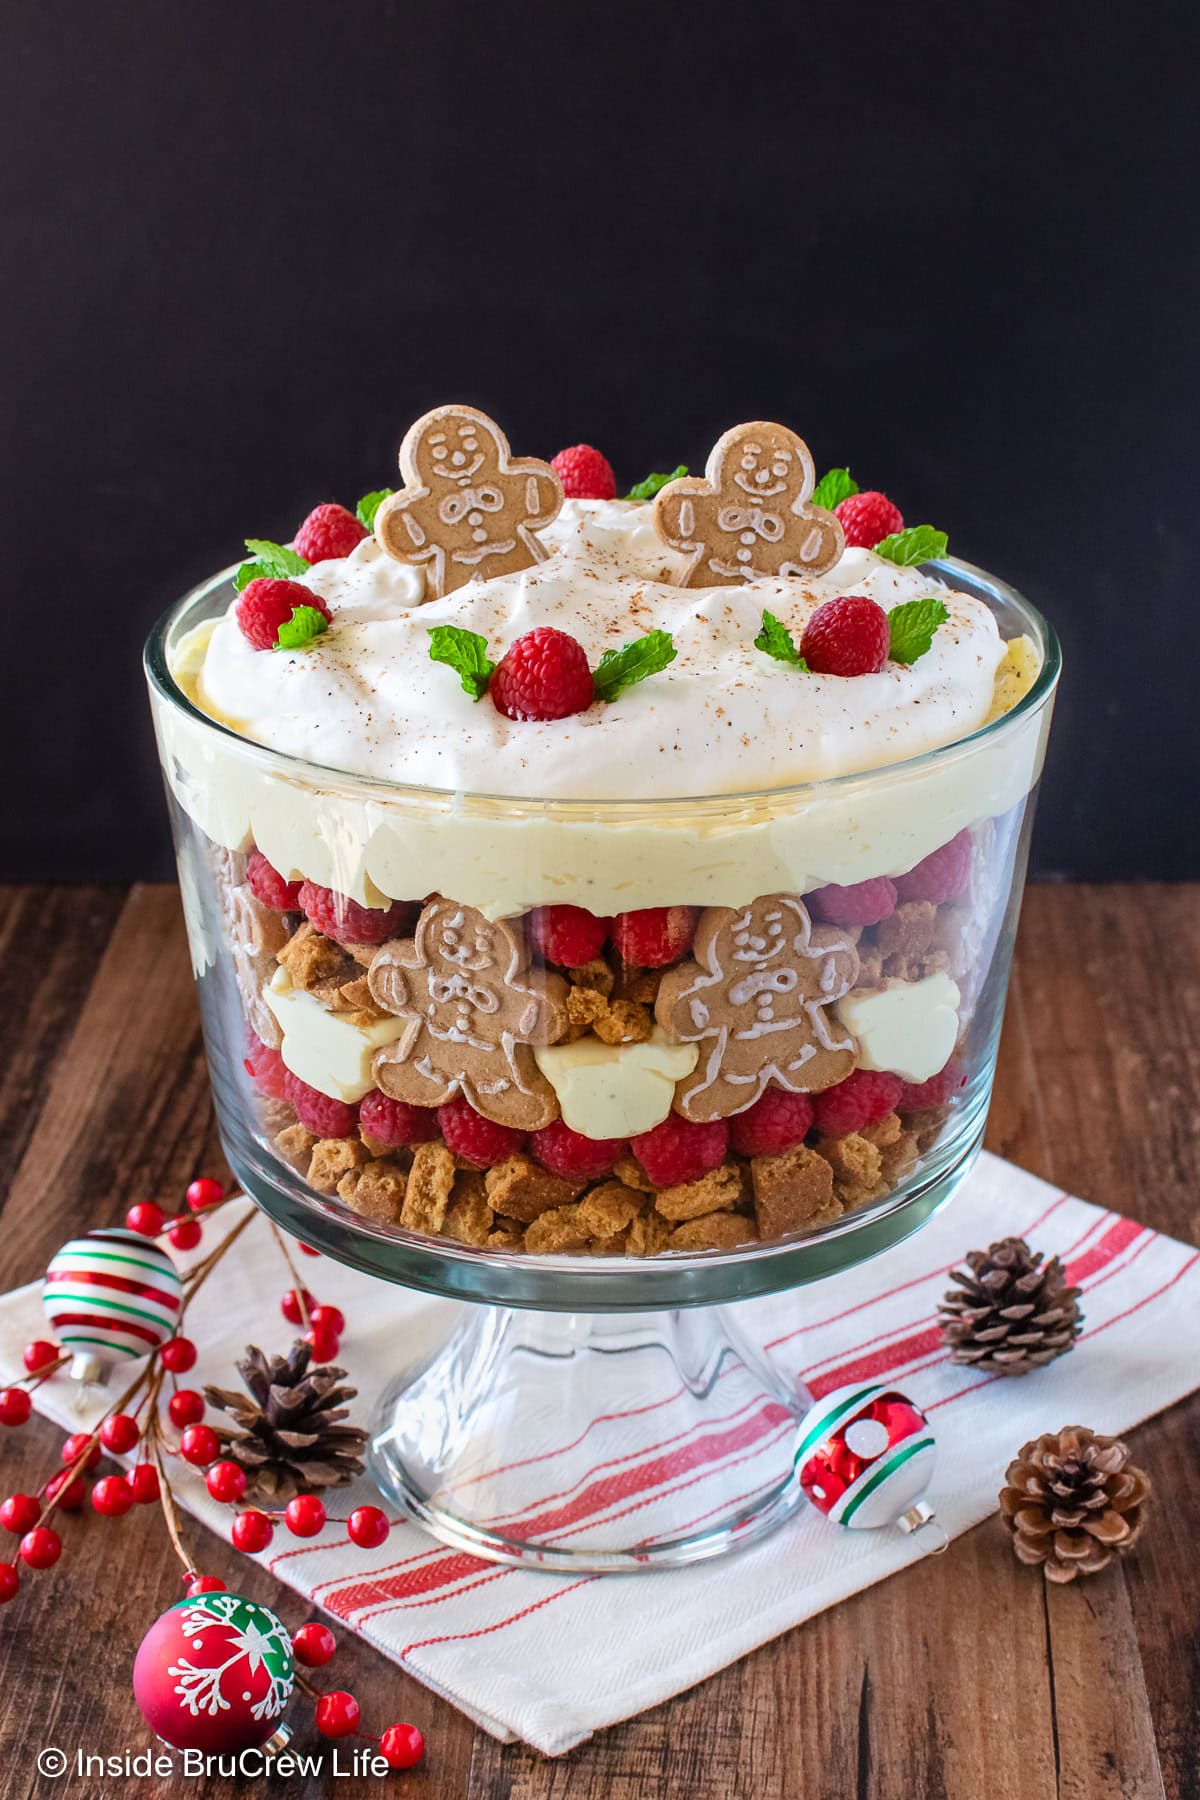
292,1440
1013,1312
1073,1502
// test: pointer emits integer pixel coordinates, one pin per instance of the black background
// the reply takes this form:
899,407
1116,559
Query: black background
244,246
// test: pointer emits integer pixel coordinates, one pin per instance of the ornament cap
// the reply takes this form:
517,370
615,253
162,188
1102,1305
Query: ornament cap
278,1741
88,1369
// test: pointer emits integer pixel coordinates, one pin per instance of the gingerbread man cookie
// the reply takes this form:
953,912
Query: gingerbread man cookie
467,507
756,999
473,1011
750,514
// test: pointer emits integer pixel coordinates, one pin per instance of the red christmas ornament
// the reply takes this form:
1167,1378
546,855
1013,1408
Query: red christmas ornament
204,1192
865,1455
39,1355
178,1355
337,1714
214,1673
313,1645
402,1746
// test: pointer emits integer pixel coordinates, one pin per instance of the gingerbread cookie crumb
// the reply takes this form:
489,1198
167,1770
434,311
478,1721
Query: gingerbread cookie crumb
376,1192
792,1192
557,1230
713,1231
609,1208
427,1192
295,1145
719,1189
521,1189
332,1158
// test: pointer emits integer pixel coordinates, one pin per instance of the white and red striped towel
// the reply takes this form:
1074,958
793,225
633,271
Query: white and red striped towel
552,1659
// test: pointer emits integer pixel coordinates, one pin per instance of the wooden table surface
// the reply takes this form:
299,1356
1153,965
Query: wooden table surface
963,1677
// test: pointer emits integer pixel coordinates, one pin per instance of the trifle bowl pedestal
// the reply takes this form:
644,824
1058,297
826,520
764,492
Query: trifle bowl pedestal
601,1403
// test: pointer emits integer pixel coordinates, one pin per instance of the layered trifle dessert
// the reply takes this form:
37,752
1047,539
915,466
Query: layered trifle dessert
604,876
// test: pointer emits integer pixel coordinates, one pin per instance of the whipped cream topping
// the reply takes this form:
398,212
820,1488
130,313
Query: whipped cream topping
723,718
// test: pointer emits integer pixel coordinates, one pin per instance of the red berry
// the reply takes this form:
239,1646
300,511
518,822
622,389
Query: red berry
20,1513
15,1406
265,604
225,1481
569,935
678,1150
337,1714
368,1527
203,1193
113,1496
328,531
8,1581
777,1121
199,1446
67,1489
178,1355
39,1355
186,1235
252,1531
306,1249
320,1113
330,1318
76,1446
862,1099
270,887
346,922
119,1433
266,1069
304,1516
847,636
313,1645
864,903
543,675
402,1746
940,876
324,1344
393,1123
915,1096
867,517
203,1584
584,473
41,1547
146,1218
654,936
475,1138
297,1306
143,1484
567,1152
185,1407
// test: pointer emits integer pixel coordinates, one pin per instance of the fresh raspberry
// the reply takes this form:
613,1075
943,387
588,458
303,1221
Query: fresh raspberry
394,1123
318,1112
567,1152
265,604
328,531
569,935
862,1099
942,875
866,903
269,886
265,1067
346,922
476,1139
677,1150
655,935
585,474
866,518
777,1121
847,636
915,1096
543,675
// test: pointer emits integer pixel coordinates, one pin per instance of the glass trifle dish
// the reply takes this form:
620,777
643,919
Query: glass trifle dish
601,911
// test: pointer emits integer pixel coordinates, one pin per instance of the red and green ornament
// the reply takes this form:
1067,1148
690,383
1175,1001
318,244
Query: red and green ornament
214,1673
111,1296
865,1456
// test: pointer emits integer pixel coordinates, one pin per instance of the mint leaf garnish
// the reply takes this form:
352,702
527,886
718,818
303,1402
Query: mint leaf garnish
776,640
370,504
919,544
273,560
646,490
834,486
913,626
305,624
466,653
623,668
